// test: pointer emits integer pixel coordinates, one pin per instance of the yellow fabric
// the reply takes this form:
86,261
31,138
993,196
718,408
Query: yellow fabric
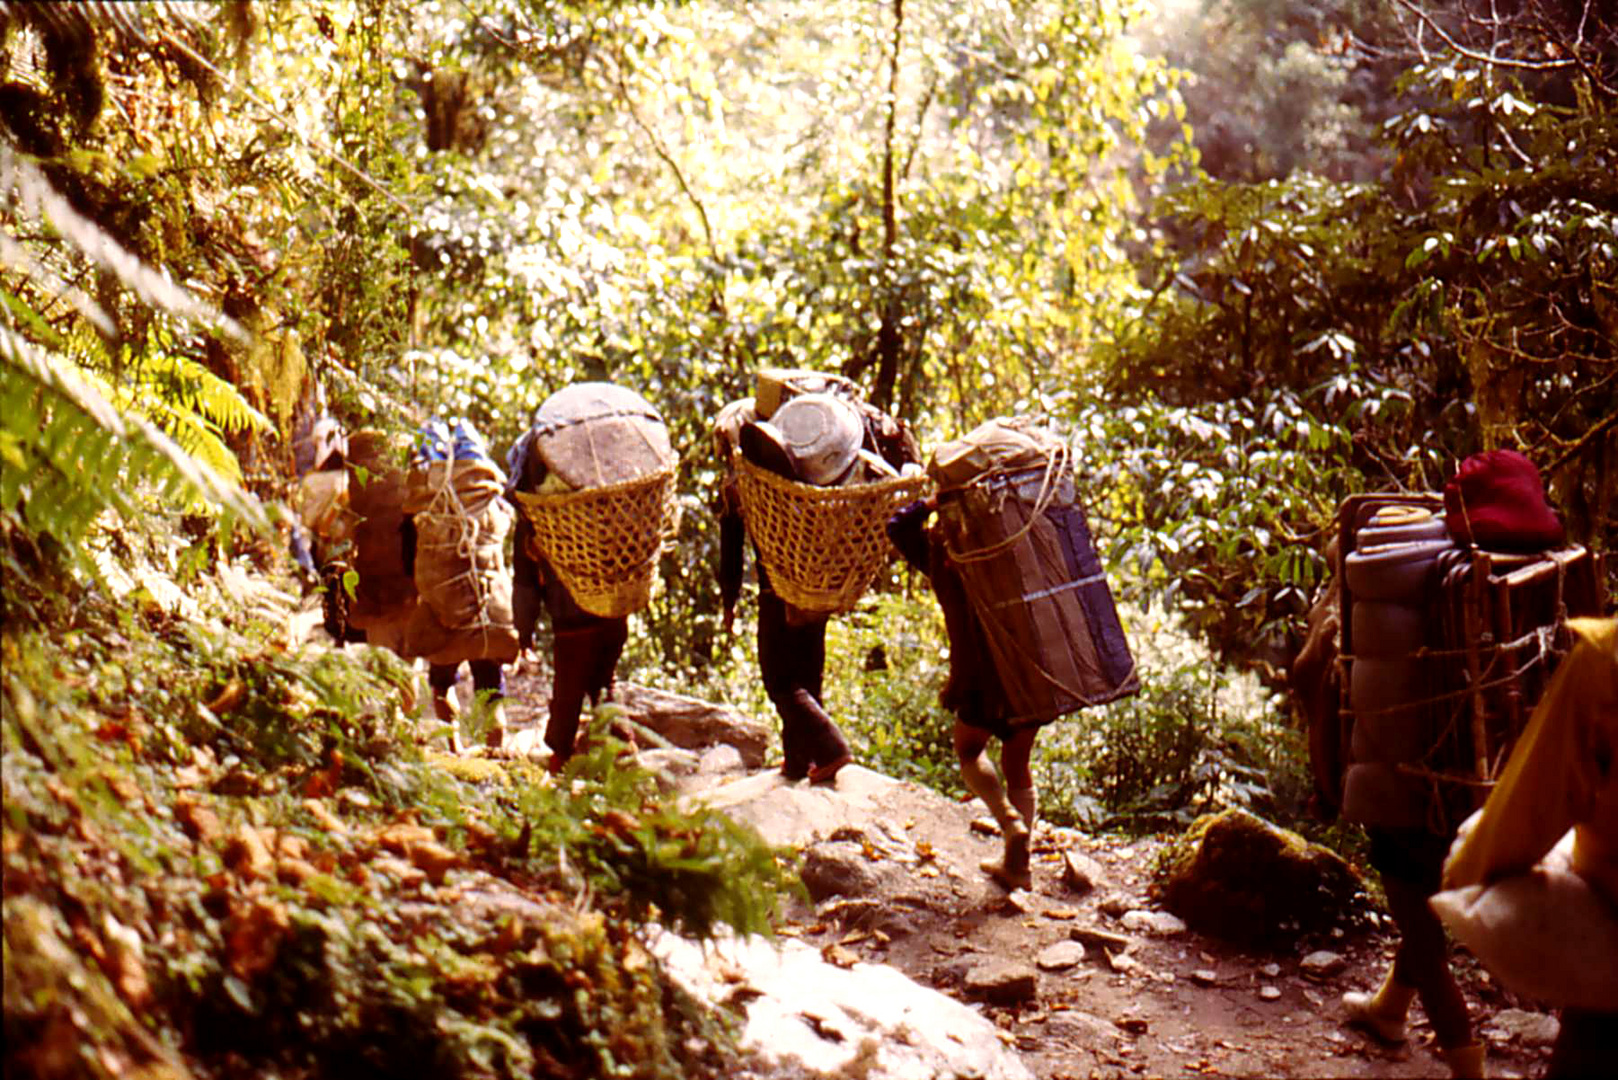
1563,774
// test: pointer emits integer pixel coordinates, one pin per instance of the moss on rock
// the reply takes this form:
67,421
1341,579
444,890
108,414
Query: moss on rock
1236,876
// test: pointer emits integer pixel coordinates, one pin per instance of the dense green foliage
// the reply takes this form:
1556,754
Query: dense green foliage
1251,255
241,850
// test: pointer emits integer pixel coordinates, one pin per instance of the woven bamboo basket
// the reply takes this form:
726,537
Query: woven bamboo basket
604,542
821,546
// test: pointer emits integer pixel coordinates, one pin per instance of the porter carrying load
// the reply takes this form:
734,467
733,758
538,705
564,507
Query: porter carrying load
606,507
816,489
385,595
1013,525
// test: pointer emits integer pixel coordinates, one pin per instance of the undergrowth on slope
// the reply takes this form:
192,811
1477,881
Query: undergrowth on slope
228,856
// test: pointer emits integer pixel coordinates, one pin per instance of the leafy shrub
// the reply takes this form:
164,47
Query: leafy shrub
242,849
885,665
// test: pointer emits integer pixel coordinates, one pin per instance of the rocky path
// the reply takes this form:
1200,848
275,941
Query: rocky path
1081,976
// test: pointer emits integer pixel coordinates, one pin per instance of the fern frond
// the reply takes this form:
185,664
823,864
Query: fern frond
80,455
30,196
185,384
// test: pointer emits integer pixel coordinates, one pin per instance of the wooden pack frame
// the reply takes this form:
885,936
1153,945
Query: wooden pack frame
1500,629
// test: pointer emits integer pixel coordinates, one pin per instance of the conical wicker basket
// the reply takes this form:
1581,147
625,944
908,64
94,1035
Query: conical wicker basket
821,546
604,542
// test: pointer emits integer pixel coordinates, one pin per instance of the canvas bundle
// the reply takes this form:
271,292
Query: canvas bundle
821,546
1020,540
604,542
461,524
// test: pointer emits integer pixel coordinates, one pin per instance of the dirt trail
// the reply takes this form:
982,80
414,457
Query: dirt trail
1171,1004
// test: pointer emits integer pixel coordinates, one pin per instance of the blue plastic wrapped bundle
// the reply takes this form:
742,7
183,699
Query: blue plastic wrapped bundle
458,439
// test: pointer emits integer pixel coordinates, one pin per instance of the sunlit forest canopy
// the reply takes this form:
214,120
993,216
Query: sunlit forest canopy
1255,255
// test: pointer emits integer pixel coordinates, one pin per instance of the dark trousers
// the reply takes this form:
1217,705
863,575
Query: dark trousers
486,675
1587,1045
792,660
586,652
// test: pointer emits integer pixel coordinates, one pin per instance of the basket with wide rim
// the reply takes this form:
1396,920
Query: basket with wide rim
604,542
821,546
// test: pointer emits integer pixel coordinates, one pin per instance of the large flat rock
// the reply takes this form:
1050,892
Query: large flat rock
866,1020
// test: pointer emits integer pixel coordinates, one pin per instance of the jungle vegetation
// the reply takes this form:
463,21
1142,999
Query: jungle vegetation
1252,256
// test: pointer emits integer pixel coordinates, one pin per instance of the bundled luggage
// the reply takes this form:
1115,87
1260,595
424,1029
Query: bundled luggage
1446,646
453,496
1008,507
606,507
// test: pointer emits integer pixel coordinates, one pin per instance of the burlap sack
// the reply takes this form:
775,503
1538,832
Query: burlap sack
321,502
1545,934
461,575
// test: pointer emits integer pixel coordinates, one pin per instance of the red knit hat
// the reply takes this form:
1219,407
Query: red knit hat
1497,501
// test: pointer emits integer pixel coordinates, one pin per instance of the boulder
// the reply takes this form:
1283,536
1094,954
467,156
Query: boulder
694,724
801,1013
841,868
1235,875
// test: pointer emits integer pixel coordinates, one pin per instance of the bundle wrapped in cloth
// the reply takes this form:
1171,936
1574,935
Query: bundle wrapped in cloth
454,497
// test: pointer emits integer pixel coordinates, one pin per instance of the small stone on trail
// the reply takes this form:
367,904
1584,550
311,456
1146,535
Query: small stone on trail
1020,901
1082,873
1322,964
1004,982
1531,1028
1102,939
1113,906
1122,962
986,826
1135,1025
1153,922
1063,954
1269,993
1204,977
1270,970
1081,1027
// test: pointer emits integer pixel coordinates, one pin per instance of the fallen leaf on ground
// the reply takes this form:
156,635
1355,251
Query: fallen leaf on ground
327,820
247,854
253,937
199,822
230,695
838,956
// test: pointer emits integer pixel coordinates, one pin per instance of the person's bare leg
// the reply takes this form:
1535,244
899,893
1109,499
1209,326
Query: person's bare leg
1015,753
1012,870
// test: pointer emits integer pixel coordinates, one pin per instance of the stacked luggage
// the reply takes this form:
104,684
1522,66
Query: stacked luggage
819,472
1446,646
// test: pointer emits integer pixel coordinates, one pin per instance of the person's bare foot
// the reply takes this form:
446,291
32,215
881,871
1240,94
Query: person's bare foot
827,773
1012,872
